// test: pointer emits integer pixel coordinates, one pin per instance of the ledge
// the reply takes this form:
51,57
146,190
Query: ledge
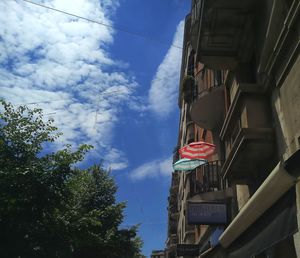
204,110
251,146
243,89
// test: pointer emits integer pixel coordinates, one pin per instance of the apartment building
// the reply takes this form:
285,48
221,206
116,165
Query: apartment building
158,254
240,90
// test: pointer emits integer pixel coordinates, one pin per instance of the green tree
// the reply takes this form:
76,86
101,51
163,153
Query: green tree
50,208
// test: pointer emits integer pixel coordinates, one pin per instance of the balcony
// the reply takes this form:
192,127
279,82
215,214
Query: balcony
173,241
247,132
225,35
176,154
175,215
195,15
190,132
174,183
173,206
207,178
208,106
174,188
189,234
207,184
171,245
187,31
172,226
173,212
188,88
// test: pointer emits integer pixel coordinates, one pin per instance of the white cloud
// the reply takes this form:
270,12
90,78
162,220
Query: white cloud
118,158
164,86
152,169
49,56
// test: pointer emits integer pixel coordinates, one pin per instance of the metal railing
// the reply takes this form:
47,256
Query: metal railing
195,11
175,180
173,203
207,79
207,178
176,154
189,88
172,227
173,208
230,139
174,239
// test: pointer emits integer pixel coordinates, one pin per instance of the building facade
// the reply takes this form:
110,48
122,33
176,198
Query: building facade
240,90
158,254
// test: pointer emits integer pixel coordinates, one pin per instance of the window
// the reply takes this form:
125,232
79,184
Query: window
191,64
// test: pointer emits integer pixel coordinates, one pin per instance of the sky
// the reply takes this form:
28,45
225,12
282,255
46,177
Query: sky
106,87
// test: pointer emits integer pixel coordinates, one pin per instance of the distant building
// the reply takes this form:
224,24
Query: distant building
240,90
158,254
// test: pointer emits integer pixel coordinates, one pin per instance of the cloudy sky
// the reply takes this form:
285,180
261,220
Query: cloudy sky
104,86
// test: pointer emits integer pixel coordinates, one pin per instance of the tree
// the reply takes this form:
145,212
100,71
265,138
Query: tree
48,206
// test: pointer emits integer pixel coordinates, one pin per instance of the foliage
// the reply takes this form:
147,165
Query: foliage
50,208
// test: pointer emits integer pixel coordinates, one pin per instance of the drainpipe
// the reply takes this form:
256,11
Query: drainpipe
280,180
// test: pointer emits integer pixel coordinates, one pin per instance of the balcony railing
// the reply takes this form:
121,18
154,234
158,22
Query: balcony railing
189,234
232,137
175,154
172,226
196,11
226,33
173,208
173,239
175,179
207,178
207,79
189,88
195,17
208,107
247,132
171,243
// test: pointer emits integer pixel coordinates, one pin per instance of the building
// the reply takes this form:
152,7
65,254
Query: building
158,254
240,90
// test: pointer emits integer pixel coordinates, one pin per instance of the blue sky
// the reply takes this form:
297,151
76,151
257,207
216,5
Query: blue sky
104,87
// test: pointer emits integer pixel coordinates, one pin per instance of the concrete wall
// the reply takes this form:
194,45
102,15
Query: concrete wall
286,107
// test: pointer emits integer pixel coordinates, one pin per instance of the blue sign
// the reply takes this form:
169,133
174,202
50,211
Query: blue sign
187,250
207,213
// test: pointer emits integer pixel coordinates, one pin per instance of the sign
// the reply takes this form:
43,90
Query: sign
207,213
188,250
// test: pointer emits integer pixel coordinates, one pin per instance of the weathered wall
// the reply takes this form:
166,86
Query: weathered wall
286,105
